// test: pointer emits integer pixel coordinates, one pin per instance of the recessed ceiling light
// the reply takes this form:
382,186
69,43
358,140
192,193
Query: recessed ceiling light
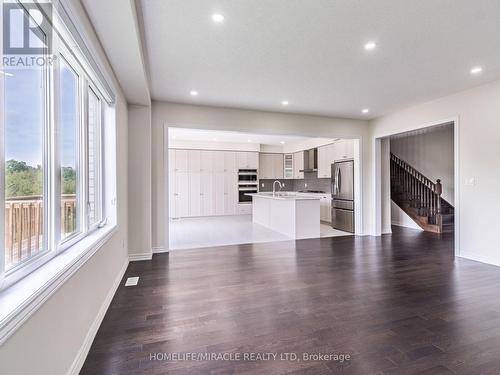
217,18
285,103
370,46
282,142
193,93
476,70
215,139
249,141
366,110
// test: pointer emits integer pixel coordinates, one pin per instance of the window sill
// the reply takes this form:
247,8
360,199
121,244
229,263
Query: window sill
19,301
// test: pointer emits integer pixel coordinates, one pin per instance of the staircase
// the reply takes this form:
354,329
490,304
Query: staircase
420,198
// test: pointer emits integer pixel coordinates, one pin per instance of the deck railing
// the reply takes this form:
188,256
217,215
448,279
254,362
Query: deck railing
24,225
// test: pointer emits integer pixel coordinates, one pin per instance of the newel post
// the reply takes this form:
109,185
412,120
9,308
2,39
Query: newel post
439,191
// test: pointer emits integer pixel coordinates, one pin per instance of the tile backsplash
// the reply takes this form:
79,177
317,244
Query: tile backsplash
310,179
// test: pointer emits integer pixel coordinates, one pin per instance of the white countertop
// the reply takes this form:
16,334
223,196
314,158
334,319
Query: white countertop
291,196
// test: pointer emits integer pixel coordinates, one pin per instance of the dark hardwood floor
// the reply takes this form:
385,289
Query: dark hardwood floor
400,304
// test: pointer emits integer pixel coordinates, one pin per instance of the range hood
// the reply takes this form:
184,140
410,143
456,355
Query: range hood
310,160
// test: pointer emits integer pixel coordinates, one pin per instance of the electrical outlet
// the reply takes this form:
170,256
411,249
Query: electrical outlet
132,281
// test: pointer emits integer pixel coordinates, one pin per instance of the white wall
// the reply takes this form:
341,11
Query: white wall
139,181
476,201
401,218
50,340
386,185
213,145
214,118
431,153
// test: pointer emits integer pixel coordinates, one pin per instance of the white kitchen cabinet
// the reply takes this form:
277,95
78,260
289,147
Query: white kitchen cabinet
278,166
244,209
298,165
204,183
207,194
288,166
326,157
344,149
253,160
171,160
206,161
171,183
230,162
181,194
171,193
181,160
270,166
194,161
265,166
326,209
219,158
194,194
241,160
230,193
219,193
247,160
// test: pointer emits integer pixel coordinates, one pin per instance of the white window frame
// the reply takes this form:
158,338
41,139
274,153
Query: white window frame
8,277
99,190
52,243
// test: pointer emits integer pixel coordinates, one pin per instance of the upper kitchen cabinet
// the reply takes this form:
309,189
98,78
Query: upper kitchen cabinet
326,155
247,160
329,154
344,149
270,166
288,166
298,165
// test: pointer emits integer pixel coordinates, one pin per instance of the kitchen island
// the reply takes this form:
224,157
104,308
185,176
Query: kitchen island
294,215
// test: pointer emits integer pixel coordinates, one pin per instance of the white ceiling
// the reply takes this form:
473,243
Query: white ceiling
311,52
184,134
116,23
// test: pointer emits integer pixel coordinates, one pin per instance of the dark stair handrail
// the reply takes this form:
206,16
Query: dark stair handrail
410,185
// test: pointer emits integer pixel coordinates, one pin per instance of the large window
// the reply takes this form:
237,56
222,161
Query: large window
24,167
52,152
69,150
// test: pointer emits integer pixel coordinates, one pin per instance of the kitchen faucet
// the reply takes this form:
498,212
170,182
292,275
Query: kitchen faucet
274,186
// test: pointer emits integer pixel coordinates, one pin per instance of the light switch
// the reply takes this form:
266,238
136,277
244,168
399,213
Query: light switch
470,181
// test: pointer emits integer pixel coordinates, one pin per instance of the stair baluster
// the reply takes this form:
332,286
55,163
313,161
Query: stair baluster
420,193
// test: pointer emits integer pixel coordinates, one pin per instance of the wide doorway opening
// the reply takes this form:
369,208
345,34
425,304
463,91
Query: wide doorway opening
418,179
227,188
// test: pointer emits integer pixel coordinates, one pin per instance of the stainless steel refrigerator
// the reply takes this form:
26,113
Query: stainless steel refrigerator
343,195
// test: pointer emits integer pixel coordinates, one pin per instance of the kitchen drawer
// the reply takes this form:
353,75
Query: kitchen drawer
244,209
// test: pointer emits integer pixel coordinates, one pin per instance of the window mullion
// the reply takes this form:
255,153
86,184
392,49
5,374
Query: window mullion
55,165
83,153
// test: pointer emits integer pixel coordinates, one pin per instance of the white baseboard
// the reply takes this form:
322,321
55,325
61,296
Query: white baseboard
480,258
159,249
89,339
140,256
